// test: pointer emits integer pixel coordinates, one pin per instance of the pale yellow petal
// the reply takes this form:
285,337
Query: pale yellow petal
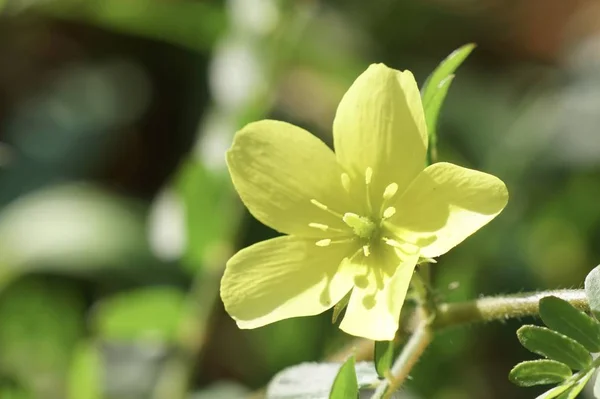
278,168
284,277
375,304
446,204
380,125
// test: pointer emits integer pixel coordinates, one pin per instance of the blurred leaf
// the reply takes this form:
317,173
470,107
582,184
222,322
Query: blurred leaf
432,110
209,213
196,25
577,387
435,89
85,374
12,390
559,315
592,290
345,385
539,372
40,319
446,68
384,355
153,313
555,346
315,380
75,228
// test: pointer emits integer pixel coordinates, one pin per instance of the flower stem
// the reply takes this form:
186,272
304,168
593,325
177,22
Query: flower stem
501,307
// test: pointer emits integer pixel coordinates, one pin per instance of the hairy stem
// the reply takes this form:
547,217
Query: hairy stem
501,307
402,366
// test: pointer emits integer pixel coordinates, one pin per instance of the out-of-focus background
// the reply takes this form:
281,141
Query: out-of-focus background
117,214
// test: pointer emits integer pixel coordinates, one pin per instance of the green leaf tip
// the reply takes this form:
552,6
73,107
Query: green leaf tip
554,346
345,385
383,355
435,90
539,372
559,315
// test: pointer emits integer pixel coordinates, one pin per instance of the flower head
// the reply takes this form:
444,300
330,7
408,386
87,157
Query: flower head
357,220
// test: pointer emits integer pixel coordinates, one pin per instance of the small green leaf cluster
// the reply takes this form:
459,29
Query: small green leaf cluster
568,343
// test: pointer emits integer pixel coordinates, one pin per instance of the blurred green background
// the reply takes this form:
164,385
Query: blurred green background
117,214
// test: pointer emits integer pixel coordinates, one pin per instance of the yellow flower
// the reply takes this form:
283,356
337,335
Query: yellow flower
358,219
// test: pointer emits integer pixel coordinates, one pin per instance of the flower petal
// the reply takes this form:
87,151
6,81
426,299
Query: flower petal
284,277
277,168
380,124
446,204
374,308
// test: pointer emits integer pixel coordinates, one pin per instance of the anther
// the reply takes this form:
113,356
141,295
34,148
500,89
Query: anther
319,205
389,212
346,182
323,243
392,243
325,208
390,191
366,250
319,226
368,175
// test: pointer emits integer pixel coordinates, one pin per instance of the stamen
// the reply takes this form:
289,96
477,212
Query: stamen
390,191
354,255
392,243
319,226
328,241
389,212
368,175
325,208
368,178
324,227
366,250
346,182
319,205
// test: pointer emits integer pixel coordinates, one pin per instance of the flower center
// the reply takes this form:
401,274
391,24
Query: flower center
361,226
367,231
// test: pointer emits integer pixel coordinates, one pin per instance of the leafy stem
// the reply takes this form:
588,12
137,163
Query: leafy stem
446,315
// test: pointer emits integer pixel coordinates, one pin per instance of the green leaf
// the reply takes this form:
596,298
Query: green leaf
539,372
384,355
433,107
435,89
41,319
446,68
555,346
153,313
559,315
209,214
85,374
345,385
592,291
577,387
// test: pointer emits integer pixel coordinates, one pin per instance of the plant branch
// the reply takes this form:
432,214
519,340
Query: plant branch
501,307
402,366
